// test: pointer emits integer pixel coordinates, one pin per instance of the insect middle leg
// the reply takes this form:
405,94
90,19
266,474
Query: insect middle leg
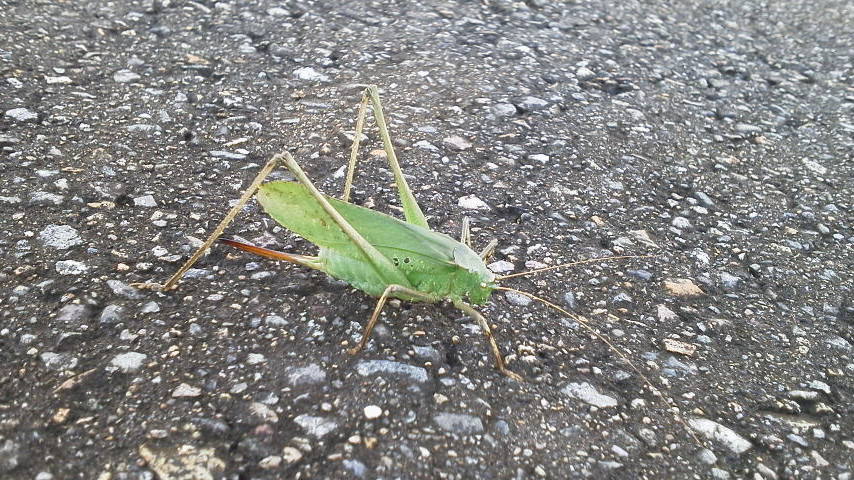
415,294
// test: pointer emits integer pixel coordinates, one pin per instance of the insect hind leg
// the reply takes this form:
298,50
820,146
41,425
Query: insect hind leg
391,289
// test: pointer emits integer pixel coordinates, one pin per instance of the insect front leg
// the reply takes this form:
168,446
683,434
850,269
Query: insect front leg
487,332
415,294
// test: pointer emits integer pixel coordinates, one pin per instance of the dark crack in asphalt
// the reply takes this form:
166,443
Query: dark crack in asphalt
718,136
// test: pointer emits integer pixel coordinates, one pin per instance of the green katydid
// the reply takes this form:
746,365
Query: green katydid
376,253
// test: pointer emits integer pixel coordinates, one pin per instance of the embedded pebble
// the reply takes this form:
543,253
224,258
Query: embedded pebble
501,266
719,433
275,321
120,288
310,75
145,201
125,76
308,375
588,393
59,361
21,115
255,358
291,455
458,423
186,391
150,307
316,426
470,202
129,362
370,368
457,143
46,198
71,267
111,314
61,237
73,313
517,299
533,104
373,412
503,109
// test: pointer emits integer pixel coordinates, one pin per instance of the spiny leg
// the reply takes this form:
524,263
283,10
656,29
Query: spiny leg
411,210
415,294
465,233
354,150
229,217
386,270
488,249
499,360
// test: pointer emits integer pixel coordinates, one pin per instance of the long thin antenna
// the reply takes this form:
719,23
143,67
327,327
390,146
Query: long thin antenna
585,323
571,264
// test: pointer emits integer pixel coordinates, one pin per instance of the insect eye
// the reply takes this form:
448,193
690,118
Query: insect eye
406,260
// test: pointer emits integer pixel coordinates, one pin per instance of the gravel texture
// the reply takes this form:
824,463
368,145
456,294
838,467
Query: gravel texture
718,136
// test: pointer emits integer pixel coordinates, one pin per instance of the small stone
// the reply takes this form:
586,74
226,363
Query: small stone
309,375
458,423
271,462
125,76
310,75
11,456
255,358
515,298
263,412
46,198
370,368
59,361
503,109
122,289
71,267
129,362
73,314
186,391
539,157
471,202
457,143
373,412
61,237
182,463
726,436
584,73
145,201
275,321
729,281
60,80
681,223
150,307
358,468
291,455
707,456
501,266
427,353
747,129
682,287
22,115
111,314
587,393
316,426
533,104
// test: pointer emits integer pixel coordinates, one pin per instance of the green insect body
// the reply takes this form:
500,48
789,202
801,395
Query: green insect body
424,260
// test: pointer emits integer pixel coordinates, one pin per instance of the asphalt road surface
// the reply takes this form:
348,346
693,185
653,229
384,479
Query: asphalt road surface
717,136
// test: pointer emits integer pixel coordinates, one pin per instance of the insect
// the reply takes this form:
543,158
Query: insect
378,254
381,255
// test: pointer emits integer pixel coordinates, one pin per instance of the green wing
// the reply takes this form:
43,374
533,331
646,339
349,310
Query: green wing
422,254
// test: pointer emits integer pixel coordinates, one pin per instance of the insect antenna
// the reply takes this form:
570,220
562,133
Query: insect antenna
585,323
571,264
